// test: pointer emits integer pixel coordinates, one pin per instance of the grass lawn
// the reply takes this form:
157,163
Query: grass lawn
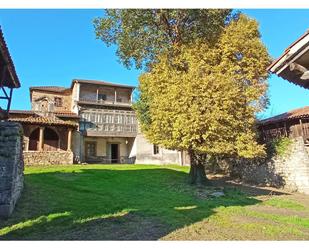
144,202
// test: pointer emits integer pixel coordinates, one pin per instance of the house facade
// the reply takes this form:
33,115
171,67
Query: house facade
90,122
48,127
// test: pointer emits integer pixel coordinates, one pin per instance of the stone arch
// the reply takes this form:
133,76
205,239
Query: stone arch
51,139
34,139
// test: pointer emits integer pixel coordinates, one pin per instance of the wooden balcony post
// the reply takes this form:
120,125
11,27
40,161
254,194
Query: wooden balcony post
41,138
115,95
69,140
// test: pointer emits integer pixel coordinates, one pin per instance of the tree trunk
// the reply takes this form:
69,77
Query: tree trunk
197,169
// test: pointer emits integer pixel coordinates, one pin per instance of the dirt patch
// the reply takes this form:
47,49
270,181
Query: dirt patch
279,211
128,227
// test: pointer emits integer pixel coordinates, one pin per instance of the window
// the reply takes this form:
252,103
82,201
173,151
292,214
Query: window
58,102
101,96
155,149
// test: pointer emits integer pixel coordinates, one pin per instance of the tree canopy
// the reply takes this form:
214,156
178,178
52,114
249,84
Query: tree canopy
205,98
142,34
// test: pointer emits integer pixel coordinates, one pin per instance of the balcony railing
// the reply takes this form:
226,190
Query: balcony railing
103,102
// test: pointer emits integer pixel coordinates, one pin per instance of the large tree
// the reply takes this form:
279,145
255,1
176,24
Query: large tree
142,34
204,99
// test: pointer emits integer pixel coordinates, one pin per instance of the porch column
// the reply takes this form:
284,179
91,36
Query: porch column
115,95
41,138
69,140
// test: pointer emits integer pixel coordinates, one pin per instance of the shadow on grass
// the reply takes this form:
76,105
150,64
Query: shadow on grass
104,204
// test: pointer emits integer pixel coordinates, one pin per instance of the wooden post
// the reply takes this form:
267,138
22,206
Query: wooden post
115,95
69,140
41,139
301,127
97,94
285,130
9,100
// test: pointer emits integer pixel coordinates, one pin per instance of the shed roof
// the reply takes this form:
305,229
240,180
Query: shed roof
12,80
293,114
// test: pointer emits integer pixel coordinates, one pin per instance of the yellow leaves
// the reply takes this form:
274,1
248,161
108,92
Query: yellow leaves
206,97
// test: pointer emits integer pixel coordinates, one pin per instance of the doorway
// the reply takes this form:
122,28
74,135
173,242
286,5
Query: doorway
115,153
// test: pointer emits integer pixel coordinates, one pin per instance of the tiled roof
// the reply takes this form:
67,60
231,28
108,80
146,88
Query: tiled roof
11,68
58,114
43,120
57,89
293,114
103,83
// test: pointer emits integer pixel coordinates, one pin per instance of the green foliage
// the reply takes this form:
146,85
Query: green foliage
205,98
279,146
142,34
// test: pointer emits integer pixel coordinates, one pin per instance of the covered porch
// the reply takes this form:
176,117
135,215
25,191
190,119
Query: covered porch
109,150
46,140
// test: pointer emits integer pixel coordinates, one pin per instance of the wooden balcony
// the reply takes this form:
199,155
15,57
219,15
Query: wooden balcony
104,102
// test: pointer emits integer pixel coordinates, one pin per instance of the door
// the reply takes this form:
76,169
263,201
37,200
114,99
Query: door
115,153
90,149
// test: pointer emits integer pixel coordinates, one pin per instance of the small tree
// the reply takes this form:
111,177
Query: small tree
204,99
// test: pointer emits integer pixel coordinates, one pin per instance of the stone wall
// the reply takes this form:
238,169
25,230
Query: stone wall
48,157
290,171
11,166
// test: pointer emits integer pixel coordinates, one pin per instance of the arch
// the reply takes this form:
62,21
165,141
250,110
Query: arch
51,139
34,139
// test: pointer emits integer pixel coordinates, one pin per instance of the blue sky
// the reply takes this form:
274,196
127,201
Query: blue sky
52,47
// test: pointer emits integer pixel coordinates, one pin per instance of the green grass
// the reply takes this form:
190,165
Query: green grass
113,202
284,203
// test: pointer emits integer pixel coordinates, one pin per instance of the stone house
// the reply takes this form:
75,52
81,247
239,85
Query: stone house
92,121
48,127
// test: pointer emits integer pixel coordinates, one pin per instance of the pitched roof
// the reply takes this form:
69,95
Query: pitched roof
14,81
43,120
296,52
65,114
57,89
293,114
97,82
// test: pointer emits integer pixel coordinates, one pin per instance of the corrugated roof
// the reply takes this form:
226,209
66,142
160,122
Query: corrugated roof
8,59
293,114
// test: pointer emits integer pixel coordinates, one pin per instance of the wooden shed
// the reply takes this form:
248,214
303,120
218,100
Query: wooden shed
294,123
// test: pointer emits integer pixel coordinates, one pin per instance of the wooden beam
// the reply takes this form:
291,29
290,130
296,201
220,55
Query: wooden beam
9,100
